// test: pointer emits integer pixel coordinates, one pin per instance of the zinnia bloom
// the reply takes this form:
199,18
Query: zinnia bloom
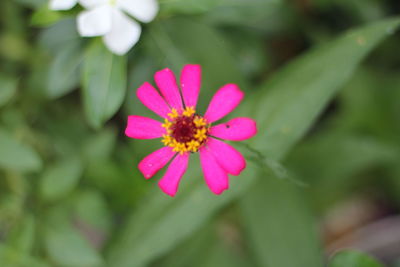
184,131
108,18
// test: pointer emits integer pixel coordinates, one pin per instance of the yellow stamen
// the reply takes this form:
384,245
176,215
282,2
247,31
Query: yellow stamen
174,114
167,140
201,134
193,146
199,122
179,147
200,128
167,124
189,111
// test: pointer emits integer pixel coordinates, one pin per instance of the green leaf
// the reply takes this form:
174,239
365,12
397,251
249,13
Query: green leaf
187,6
104,83
91,208
22,237
181,41
64,74
11,257
338,158
58,35
288,104
161,223
60,179
209,248
16,155
285,109
8,88
353,259
32,3
263,15
99,147
45,16
313,79
278,221
66,246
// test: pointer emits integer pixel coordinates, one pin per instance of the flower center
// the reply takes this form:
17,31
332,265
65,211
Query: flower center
186,132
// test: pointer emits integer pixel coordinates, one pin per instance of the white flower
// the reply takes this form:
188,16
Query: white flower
107,18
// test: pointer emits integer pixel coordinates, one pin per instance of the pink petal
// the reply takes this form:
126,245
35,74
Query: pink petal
149,96
216,178
237,129
143,128
224,101
191,82
155,161
170,182
227,157
165,80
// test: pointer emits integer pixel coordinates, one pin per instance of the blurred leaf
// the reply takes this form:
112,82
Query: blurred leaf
16,155
263,15
104,83
217,244
285,109
193,250
141,70
288,104
220,255
369,103
182,41
60,34
32,3
144,238
9,257
249,49
45,16
64,74
13,47
8,88
60,179
338,157
22,237
187,6
249,12
100,146
37,78
353,259
278,221
68,248
91,208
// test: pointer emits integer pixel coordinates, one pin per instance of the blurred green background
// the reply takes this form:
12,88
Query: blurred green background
322,80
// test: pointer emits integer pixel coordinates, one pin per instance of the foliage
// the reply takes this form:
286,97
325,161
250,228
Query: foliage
320,79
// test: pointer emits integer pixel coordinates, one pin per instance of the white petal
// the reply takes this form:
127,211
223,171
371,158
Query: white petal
143,10
124,33
62,4
89,4
95,22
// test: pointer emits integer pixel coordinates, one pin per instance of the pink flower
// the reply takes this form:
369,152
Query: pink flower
184,131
